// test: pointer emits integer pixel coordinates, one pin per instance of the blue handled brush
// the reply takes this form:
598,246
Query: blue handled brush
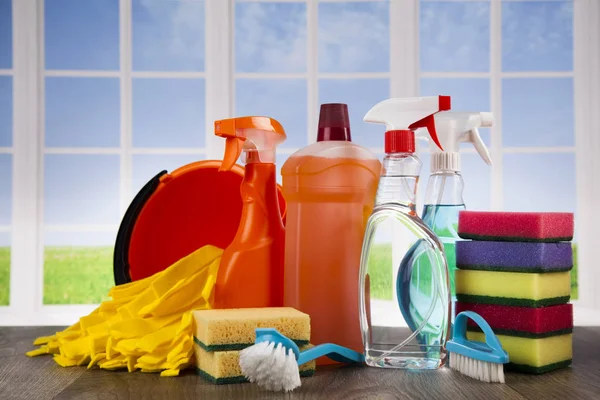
482,361
272,362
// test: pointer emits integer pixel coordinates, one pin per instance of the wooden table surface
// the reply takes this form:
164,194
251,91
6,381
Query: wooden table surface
39,378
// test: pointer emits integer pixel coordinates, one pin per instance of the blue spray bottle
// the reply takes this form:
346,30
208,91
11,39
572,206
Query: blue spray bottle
395,232
443,202
444,195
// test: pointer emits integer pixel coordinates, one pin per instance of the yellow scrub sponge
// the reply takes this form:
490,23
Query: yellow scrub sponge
535,356
234,329
223,367
513,288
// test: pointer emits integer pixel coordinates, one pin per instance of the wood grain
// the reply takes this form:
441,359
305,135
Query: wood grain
22,377
39,378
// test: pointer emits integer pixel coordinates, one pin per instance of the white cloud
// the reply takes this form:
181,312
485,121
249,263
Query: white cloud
354,37
270,37
455,36
176,31
537,35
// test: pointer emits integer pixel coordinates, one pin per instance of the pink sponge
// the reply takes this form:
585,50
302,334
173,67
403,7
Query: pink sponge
523,321
516,226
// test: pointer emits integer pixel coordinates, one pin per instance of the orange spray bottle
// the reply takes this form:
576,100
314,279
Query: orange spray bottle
251,269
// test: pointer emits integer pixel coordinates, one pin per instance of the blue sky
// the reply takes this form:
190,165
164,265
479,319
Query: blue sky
272,38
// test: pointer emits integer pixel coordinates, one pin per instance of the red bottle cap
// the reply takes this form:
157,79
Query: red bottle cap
334,123
400,141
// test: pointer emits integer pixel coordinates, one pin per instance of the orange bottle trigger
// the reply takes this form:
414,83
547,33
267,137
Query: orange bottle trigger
233,149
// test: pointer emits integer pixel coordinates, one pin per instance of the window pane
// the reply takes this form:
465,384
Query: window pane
168,35
4,268
270,37
78,267
82,112
146,166
468,94
537,112
6,34
478,182
455,36
281,99
81,189
168,113
6,111
354,37
360,95
525,186
82,34
537,36
5,189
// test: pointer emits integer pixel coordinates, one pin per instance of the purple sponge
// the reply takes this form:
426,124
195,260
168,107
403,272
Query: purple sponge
514,256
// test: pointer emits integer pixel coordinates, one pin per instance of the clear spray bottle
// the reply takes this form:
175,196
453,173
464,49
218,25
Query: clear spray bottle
395,233
444,195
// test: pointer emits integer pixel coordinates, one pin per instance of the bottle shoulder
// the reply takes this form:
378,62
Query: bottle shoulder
322,156
401,217
335,149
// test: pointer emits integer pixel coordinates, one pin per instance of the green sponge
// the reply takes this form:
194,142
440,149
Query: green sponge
223,367
534,356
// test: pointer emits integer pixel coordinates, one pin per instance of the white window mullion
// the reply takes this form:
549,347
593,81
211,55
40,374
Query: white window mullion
26,276
497,194
404,82
587,143
219,25
404,48
312,83
125,22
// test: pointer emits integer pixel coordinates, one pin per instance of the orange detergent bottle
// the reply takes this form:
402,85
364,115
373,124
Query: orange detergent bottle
251,269
329,188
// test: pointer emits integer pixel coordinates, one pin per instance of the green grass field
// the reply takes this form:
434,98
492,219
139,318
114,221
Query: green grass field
83,275
4,275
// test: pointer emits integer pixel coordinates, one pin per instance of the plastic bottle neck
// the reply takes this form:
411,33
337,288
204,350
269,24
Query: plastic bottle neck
445,188
399,180
260,213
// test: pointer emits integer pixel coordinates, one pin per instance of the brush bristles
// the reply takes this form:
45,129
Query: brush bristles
481,370
272,367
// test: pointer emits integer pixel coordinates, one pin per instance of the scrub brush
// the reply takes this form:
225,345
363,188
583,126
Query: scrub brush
272,362
482,361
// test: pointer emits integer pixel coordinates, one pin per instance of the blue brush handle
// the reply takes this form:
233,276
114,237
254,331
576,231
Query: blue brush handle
490,351
333,351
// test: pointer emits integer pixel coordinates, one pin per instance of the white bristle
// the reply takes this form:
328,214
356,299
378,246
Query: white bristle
270,367
481,370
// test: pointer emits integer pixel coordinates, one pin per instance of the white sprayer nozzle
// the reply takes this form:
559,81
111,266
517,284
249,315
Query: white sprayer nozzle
453,129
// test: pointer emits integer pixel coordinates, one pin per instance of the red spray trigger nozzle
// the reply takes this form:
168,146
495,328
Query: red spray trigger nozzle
429,121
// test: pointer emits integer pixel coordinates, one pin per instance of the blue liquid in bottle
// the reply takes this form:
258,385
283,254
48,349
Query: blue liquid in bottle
443,221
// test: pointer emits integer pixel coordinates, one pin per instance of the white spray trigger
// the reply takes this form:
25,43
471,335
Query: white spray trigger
453,129
473,137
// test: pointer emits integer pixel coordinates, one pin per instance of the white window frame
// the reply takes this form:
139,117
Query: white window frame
26,299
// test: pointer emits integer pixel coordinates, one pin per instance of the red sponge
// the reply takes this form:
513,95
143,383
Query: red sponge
523,321
516,226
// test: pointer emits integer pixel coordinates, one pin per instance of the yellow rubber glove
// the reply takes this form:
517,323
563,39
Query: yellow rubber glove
146,324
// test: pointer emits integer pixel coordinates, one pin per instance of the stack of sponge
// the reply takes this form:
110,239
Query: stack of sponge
515,273
220,335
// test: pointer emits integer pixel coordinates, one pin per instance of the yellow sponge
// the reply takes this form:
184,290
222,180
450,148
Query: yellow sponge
535,356
223,367
234,329
513,288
